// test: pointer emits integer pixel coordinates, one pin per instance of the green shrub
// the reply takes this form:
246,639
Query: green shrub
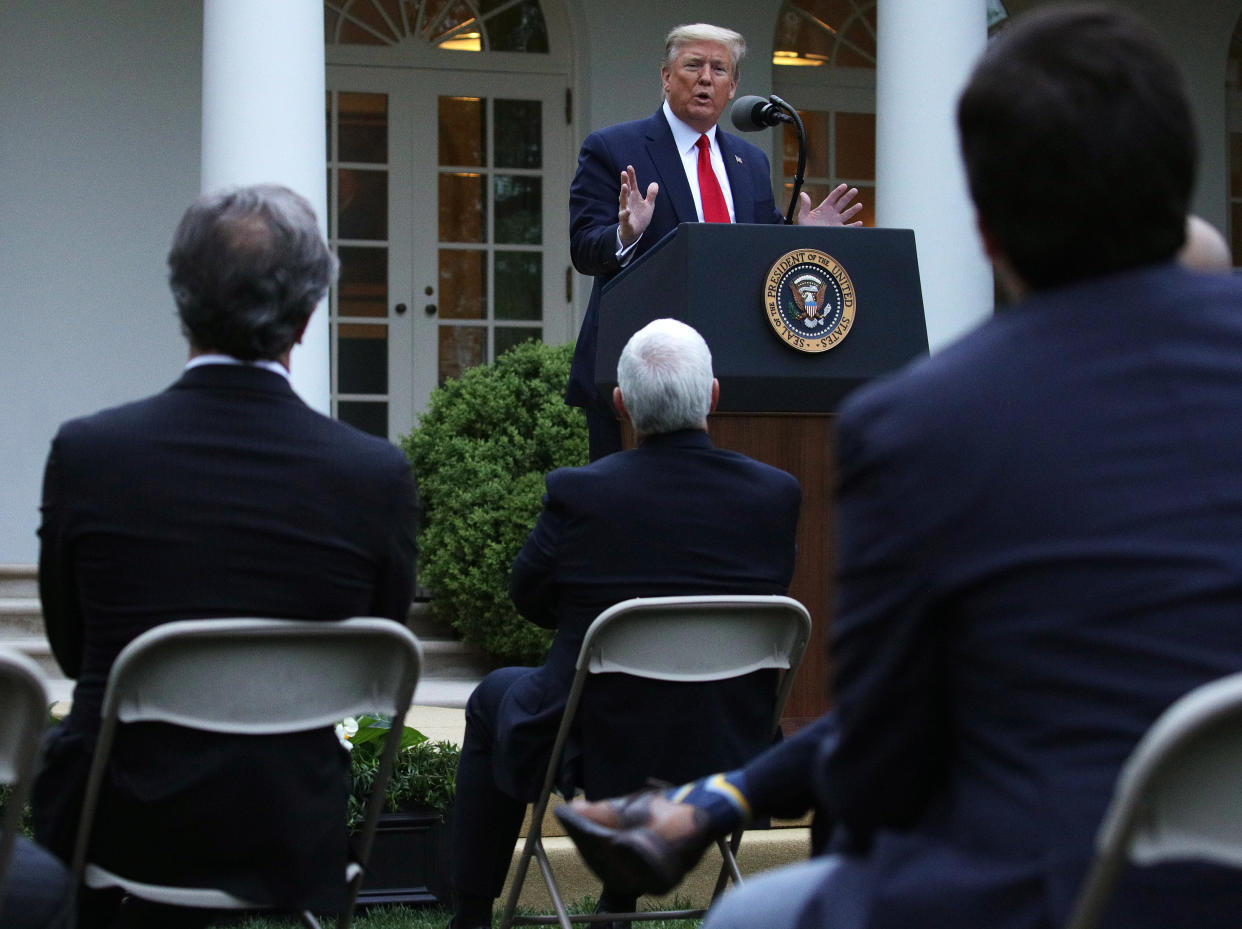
424,772
6,792
480,453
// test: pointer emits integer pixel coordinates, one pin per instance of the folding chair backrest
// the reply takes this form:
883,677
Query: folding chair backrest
663,637
258,677
1177,796
262,676
23,696
682,639
23,717
696,639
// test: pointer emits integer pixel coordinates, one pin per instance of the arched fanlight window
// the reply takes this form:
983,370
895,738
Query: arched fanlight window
454,25
825,32
840,33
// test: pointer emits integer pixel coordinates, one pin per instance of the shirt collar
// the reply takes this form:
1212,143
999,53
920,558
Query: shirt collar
215,359
685,137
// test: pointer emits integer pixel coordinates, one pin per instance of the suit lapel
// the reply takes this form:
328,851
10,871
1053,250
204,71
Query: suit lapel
664,155
739,177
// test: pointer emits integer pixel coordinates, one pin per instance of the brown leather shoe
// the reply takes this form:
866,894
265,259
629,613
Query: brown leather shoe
640,844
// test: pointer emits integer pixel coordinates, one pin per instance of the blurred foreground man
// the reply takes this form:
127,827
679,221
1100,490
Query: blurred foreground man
1039,538
225,495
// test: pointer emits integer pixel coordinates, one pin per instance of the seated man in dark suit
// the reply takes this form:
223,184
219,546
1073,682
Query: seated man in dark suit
225,495
674,516
1038,538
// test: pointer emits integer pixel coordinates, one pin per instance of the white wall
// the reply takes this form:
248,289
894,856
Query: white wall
99,141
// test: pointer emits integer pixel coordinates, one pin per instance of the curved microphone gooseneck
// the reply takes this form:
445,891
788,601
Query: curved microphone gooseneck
753,113
801,172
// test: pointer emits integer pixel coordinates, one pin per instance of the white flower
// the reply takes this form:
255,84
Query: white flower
345,730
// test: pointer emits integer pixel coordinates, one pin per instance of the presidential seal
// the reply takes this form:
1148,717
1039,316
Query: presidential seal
810,300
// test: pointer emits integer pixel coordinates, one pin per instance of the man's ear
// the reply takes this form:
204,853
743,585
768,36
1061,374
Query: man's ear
302,330
715,396
620,405
1011,283
991,247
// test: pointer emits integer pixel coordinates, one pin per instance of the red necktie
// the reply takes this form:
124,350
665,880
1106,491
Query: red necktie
715,210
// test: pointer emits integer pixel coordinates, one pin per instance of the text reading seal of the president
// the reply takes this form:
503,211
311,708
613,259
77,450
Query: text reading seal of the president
810,300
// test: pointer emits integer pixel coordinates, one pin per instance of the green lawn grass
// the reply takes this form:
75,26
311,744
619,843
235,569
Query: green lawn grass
405,917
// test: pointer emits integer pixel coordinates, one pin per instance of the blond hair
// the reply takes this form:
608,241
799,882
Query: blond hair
681,36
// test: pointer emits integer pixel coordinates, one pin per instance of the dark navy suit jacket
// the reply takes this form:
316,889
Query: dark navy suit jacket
1040,549
674,516
225,495
648,145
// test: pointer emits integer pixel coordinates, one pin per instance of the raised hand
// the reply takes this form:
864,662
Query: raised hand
835,210
633,209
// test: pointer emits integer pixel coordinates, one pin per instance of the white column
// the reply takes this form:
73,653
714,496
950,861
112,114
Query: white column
925,53
263,122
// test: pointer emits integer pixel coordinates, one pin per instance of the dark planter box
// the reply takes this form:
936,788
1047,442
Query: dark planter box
409,860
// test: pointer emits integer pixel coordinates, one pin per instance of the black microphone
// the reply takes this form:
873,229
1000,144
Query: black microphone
753,113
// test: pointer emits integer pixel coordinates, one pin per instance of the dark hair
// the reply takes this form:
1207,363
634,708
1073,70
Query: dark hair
247,267
1079,145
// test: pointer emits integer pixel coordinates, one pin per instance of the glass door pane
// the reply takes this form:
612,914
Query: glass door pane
840,150
490,234
358,227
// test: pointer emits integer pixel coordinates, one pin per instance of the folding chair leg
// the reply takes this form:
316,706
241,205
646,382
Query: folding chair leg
554,892
728,863
309,920
519,878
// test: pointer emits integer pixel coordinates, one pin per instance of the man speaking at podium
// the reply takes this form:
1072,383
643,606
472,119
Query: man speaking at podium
636,181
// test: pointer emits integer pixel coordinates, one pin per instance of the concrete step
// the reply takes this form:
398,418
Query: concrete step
20,616
36,647
19,580
423,623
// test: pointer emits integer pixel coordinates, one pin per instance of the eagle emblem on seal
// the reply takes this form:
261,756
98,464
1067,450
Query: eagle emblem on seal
808,293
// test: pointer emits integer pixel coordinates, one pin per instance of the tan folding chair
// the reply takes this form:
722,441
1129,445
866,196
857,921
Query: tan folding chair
254,677
23,696
688,639
1176,796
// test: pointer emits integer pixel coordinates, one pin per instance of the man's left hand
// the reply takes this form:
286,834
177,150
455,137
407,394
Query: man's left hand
835,210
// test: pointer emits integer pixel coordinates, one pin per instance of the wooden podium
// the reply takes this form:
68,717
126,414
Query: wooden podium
777,403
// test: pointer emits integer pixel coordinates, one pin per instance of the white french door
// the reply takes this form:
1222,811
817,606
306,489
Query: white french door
447,194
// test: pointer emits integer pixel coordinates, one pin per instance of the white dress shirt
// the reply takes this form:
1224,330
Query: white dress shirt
686,139
212,359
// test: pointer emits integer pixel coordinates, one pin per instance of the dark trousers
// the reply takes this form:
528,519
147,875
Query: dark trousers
603,433
486,820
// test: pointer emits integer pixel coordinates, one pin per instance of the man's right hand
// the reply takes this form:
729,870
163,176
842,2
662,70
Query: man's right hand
633,209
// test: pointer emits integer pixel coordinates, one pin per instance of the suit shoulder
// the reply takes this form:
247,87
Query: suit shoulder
765,474
112,423
364,448
626,134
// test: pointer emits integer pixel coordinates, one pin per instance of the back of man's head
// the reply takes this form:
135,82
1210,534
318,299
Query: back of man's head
665,377
247,268
1079,145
